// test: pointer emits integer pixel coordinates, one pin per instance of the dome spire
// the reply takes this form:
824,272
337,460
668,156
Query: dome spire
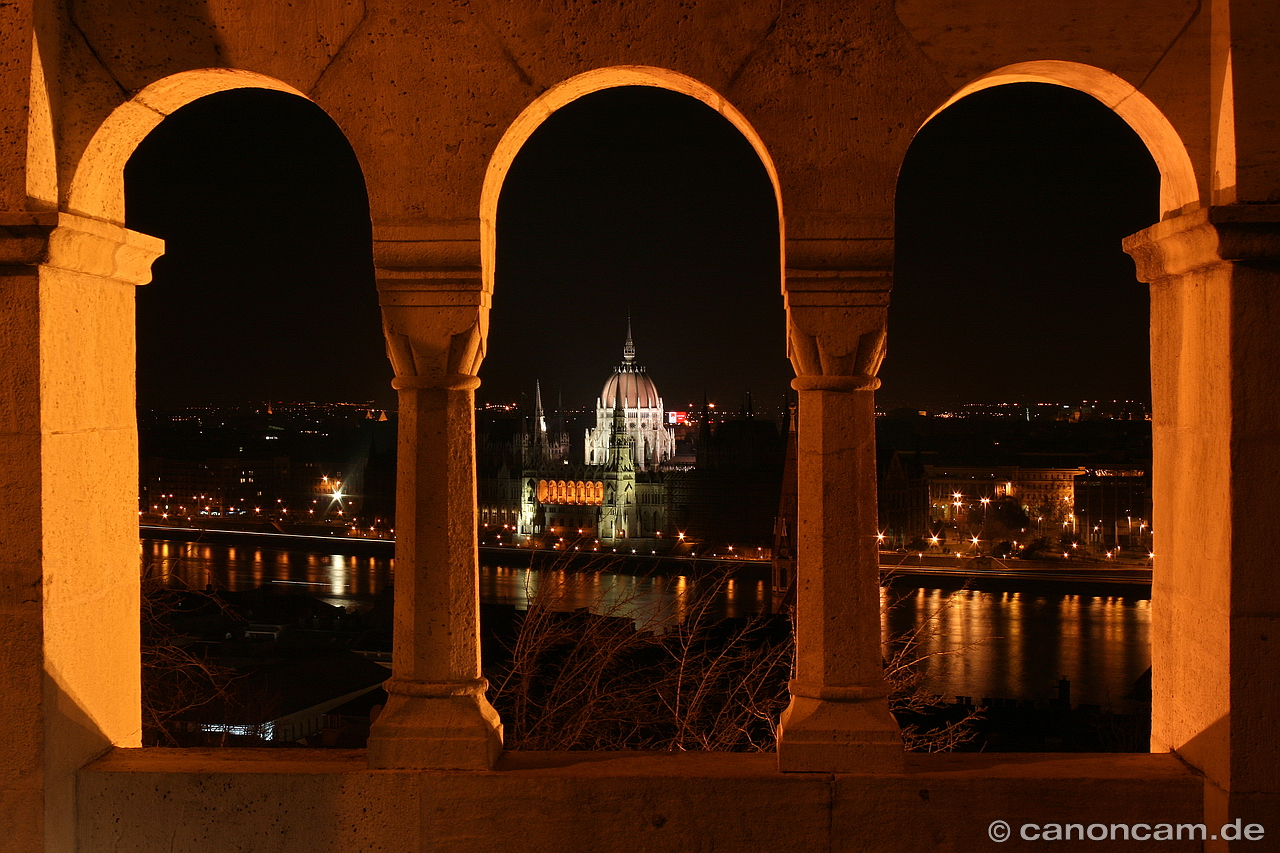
629,349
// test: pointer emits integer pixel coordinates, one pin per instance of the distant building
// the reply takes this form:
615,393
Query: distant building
644,421
902,500
1041,491
1113,507
636,486
609,502
299,463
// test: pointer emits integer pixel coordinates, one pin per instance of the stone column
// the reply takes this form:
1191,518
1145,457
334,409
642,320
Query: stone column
837,297
1215,383
68,513
435,316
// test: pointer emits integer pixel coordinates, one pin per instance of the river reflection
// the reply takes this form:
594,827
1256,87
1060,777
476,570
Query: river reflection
1018,644
653,602
338,579
979,644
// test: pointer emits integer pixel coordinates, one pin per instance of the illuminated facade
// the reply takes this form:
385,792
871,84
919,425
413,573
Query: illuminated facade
584,506
652,440
437,105
616,494
1038,490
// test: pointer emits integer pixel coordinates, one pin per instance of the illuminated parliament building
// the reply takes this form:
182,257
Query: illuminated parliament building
629,390
617,493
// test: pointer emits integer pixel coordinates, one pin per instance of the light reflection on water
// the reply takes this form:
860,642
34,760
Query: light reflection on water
653,602
1018,644
980,644
334,578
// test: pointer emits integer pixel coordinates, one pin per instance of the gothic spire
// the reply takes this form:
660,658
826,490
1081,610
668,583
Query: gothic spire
629,349
620,450
619,412
540,421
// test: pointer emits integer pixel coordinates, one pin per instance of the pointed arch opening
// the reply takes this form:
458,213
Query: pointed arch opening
1179,190
262,382
96,189
1017,316
636,195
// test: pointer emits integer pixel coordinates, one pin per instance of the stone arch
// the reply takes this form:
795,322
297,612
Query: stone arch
96,188
1179,191
576,87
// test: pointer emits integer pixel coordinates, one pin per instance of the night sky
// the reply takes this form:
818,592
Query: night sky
1010,281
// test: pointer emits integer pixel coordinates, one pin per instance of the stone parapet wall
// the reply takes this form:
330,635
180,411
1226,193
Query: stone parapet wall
220,800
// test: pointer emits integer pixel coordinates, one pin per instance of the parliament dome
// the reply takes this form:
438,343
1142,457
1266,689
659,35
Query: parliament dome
629,415
630,379
637,389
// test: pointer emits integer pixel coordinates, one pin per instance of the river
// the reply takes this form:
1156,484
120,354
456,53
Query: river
976,643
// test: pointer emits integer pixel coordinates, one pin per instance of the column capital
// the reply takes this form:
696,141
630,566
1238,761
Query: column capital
836,320
435,305
1248,233
839,271
77,244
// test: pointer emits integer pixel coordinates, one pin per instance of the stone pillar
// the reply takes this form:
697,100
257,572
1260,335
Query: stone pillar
838,719
1215,382
68,517
435,316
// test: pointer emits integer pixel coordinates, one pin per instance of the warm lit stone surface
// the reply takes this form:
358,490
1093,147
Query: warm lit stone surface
66,428
436,99
838,719
190,801
1215,664
435,315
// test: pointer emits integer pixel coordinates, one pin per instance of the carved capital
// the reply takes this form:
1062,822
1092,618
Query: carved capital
1248,233
435,307
78,244
836,320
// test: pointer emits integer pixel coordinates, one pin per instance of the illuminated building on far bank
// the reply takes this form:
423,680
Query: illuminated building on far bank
628,486
644,421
